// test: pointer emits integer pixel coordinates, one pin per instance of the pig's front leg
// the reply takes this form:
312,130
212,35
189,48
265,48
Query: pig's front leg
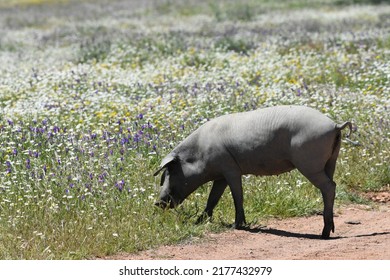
216,192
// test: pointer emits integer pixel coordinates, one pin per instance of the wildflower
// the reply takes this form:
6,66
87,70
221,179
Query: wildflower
125,140
101,177
88,187
137,138
28,166
119,185
9,166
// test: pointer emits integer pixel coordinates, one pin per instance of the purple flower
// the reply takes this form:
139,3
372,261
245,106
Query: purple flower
88,186
124,140
28,166
10,122
102,177
140,116
136,138
9,169
120,184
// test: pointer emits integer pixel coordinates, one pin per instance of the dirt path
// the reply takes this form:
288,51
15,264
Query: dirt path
362,232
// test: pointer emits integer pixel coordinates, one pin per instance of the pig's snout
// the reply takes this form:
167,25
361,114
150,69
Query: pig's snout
162,204
167,202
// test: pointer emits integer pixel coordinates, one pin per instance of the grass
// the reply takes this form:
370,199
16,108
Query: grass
90,103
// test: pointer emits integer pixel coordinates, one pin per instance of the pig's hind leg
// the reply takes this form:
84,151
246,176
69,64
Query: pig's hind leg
234,181
328,189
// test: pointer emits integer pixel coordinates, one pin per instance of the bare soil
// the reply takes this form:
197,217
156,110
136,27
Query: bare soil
361,232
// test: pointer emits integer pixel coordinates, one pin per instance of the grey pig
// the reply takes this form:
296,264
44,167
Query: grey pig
266,141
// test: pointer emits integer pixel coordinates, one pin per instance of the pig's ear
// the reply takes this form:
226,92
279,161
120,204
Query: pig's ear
164,163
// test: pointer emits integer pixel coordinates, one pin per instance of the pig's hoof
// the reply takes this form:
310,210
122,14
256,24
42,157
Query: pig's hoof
326,232
240,226
325,235
202,218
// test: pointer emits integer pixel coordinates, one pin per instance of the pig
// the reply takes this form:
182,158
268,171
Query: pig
262,142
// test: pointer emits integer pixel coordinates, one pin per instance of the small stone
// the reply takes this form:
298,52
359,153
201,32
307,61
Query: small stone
353,222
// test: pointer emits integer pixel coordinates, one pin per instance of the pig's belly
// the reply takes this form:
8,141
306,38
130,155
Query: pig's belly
274,167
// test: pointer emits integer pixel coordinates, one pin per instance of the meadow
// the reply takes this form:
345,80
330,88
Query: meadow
93,94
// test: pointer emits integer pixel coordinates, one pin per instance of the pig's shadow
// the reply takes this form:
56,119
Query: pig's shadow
278,232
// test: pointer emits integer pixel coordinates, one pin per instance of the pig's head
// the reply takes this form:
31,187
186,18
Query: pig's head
175,183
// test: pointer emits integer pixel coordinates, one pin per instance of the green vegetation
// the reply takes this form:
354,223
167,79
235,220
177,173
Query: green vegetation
92,96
